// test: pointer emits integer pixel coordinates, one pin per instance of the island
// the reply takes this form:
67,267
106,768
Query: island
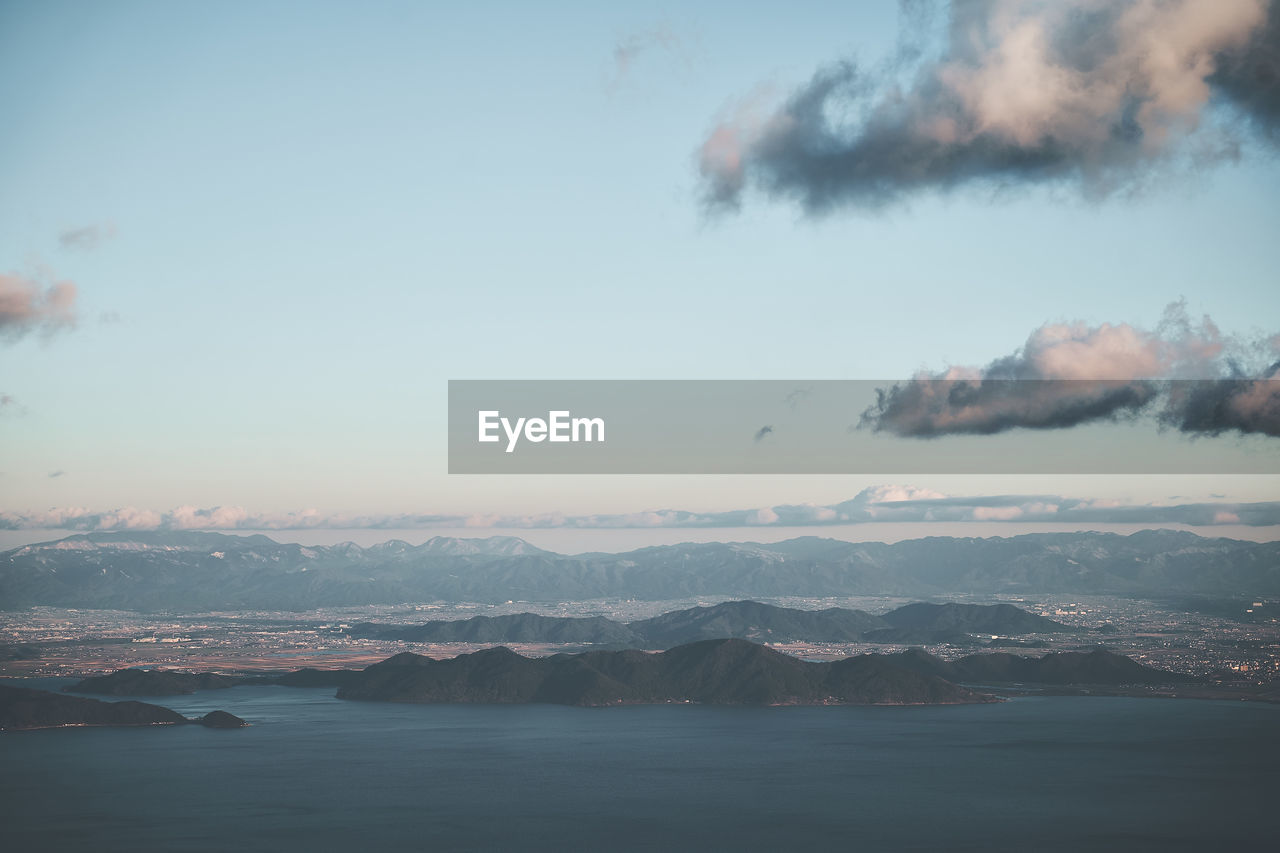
718,672
153,682
24,708
727,671
748,620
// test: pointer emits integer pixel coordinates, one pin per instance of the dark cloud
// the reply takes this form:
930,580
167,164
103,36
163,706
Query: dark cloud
86,238
1067,375
1249,76
53,475
763,431
1094,95
795,397
1237,404
928,408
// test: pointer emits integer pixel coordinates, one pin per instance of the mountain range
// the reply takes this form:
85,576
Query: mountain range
719,672
729,672
1094,667
750,620
193,572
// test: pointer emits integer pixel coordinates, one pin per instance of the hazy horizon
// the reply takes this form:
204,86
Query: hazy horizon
577,541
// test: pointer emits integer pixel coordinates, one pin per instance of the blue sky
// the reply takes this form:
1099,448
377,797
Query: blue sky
313,215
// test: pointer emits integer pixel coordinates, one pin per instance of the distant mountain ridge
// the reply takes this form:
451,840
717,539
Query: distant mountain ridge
197,571
971,618
751,620
748,620
926,624
514,628
1095,667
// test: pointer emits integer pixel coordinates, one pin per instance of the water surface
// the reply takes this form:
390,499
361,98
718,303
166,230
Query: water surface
315,773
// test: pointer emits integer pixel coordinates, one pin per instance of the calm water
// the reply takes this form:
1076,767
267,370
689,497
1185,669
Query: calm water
314,773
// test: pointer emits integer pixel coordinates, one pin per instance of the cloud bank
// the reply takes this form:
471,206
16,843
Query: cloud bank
887,503
1189,375
1099,95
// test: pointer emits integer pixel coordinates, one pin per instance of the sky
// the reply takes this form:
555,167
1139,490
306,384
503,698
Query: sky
245,246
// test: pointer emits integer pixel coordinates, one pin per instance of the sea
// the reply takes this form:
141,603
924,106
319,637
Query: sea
315,773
